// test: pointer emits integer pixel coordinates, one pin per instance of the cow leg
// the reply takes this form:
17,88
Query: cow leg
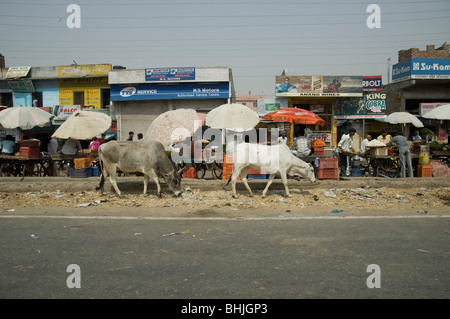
112,179
155,178
244,180
234,177
285,183
145,184
271,177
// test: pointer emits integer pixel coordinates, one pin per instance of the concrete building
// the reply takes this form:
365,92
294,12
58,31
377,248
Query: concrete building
420,82
250,100
138,96
84,85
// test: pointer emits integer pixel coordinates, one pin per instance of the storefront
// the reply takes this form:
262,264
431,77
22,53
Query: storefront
84,85
139,96
322,95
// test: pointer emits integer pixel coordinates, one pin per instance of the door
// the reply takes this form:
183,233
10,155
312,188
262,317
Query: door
78,98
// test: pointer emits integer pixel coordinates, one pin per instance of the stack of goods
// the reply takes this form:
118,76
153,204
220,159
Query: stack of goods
29,148
377,148
82,168
227,167
318,146
440,169
328,168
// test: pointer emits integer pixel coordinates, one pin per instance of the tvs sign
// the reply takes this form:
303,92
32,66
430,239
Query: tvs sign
372,83
128,91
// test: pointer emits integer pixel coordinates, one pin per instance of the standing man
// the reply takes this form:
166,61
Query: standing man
384,137
345,144
404,155
364,143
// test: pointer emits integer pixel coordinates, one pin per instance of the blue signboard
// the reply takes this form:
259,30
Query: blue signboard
152,91
170,74
421,69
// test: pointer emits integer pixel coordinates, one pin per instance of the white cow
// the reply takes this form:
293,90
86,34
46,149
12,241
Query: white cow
148,158
276,159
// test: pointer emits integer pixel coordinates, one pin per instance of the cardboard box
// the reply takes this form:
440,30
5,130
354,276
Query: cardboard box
379,151
80,163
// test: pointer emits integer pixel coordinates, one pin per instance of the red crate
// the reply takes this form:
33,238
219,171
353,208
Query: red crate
328,163
28,151
189,172
424,171
319,151
328,173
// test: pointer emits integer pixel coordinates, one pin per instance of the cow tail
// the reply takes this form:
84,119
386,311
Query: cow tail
102,176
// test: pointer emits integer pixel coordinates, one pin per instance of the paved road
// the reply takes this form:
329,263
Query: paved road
154,257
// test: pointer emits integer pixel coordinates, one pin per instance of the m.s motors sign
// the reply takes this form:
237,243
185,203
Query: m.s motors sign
421,69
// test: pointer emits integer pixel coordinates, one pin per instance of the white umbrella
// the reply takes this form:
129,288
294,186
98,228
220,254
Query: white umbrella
83,125
24,117
236,117
403,118
174,126
440,113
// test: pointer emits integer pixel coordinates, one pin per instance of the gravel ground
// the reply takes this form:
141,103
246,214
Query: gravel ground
203,197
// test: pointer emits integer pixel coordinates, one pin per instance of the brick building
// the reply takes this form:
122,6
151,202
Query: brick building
442,52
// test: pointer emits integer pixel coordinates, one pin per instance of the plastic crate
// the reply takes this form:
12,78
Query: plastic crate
328,163
28,151
80,173
94,171
189,172
328,173
257,176
80,163
319,151
424,171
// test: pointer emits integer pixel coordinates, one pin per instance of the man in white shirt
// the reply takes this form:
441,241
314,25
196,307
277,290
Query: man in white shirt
345,144
282,139
364,143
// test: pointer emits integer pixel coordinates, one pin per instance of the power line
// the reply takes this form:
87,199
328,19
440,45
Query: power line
221,26
222,16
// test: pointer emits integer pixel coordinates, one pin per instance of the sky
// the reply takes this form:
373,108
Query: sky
257,39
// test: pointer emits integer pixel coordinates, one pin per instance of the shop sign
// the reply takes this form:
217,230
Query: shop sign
267,105
62,112
318,86
372,83
83,70
21,86
372,105
421,68
170,74
17,72
427,107
150,91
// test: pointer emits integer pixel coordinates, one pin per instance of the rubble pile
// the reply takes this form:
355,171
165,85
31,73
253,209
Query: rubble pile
419,198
